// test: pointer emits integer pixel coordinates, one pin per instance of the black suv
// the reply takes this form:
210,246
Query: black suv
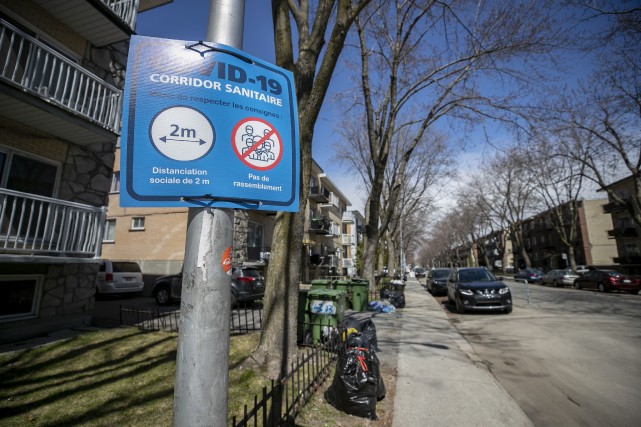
475,288
247,285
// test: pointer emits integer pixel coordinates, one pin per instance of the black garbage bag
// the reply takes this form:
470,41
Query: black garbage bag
357,384
397,299
385,292
367,330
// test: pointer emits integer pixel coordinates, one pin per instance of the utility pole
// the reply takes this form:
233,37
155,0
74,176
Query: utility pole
202,362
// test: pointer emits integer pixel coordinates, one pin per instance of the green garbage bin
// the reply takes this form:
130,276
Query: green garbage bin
303,319
321,284
327,310
360,292
346,286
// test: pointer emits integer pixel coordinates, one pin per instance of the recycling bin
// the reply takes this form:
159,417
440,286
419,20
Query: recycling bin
360,294
346,286
303,318
327,310
321,284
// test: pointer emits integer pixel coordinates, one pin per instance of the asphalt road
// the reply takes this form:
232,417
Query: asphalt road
567,357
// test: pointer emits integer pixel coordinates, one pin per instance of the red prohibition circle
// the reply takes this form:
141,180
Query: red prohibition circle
245,154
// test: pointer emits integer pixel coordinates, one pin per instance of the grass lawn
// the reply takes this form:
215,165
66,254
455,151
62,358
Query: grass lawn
114,377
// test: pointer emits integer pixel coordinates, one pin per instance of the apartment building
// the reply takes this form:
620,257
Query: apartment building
327,250
61,79
592,245
624,232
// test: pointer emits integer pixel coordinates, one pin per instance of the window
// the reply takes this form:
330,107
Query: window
110,231
138,223
115,183
28,174
21,296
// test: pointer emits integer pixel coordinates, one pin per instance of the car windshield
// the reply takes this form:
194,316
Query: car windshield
440,274
475,276
613,273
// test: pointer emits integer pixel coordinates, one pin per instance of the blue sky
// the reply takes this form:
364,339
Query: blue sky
187,20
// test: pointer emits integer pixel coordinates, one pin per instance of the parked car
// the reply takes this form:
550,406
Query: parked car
119,277
529,275
475,288
559,277
247,285
419,272
582,269
606,281
436,281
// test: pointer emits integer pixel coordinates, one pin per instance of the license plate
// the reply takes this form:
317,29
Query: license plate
626,281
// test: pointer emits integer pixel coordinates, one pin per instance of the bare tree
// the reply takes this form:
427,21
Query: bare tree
321,29
598,122
558,181
508,195
420,63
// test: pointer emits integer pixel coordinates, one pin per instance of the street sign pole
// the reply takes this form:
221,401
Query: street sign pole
202,361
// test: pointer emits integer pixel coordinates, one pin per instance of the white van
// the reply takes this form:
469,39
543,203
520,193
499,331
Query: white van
119,277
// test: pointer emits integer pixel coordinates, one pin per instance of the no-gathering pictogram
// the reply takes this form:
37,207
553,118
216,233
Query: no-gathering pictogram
257,143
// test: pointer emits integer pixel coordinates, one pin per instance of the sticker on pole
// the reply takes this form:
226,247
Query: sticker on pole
226,261
257,143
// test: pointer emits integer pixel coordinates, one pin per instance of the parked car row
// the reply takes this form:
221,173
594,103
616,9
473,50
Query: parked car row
584,277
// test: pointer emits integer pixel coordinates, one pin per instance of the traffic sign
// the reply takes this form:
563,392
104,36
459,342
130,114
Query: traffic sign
207,124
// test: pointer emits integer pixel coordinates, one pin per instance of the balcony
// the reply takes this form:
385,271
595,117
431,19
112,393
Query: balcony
629,259
348,239
613,207
319,194
102,22
348,217
43,89
320,225
333,202
41,226
348,263
623,232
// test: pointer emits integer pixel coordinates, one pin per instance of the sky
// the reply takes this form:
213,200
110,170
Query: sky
187,20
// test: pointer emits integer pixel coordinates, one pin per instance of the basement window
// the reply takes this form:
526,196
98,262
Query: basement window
21,297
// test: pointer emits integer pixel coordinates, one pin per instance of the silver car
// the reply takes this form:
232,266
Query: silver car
559,278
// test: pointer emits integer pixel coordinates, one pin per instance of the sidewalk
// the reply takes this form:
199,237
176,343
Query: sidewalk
440,381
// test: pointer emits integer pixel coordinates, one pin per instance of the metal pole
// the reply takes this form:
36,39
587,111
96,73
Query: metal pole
202,361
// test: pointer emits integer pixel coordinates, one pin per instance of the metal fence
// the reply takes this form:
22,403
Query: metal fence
281,404
243,320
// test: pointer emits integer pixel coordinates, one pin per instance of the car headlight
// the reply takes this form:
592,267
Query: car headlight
465,291
503,291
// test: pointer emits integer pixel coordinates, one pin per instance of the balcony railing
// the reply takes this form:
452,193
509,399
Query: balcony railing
319,194
613,207
333,202
320,225
347,239
36,225
127,10
41,71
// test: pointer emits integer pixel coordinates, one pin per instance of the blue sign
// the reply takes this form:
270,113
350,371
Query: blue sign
205,124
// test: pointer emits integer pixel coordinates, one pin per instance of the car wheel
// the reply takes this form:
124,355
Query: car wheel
602,288
508,310
556,284
163,295
460,307
577,285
